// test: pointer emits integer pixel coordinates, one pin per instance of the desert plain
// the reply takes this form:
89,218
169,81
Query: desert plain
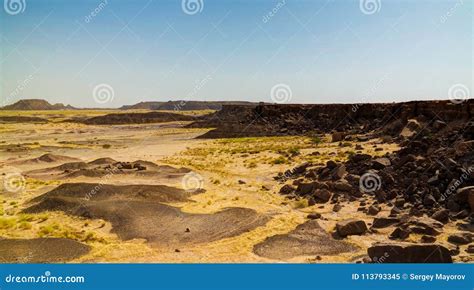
157,191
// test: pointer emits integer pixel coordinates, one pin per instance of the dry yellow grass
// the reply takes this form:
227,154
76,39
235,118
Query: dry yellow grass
221,163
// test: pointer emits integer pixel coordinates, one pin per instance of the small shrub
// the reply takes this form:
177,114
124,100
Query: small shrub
294,151
316,140
279,160
252,165
42,218
48,230
26,218
7,223
24,226
90,237
300,203
350,153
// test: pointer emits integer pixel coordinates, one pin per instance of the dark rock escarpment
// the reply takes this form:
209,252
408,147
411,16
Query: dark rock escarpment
275,120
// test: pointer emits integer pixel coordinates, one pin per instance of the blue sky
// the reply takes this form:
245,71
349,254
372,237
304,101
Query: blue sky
324,51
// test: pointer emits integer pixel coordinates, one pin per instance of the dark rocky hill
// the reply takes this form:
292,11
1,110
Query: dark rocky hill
182,105
36,104
274,120
137,118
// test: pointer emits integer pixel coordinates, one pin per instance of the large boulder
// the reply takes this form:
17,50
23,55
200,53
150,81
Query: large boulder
351,227
460,238
409,253
287,189
297,170
373,210
304,189
399,233
343,185
337,136
424,226
355,158
381,163
383,222
322,195
410,129
339,172
465,195
441,215
429,200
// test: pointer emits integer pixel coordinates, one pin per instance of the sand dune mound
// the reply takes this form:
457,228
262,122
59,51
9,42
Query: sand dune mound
47,158
83,192
108,167
72,165
54,158
102,161
307,239
41,250
136,211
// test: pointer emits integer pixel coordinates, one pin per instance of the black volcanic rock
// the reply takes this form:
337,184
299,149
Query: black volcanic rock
351,227
183,105
288,119
137,118
410,253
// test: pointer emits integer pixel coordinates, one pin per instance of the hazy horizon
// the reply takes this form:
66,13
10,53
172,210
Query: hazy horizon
112,53
184,101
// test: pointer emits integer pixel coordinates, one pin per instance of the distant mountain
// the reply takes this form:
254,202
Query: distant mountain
39,104
184,105
36,104
142,106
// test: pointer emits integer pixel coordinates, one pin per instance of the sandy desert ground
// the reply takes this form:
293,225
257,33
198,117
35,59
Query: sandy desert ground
155,193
